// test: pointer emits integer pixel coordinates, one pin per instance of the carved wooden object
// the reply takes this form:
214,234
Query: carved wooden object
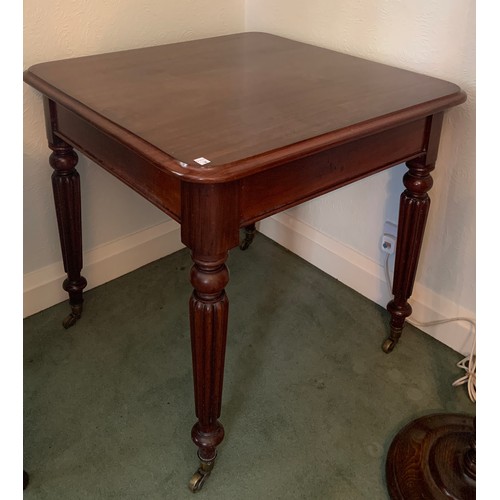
434,458
208,312
66,189
204,208
273,122
413,210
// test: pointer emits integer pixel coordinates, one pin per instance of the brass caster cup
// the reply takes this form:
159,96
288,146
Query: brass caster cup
201,475
73,316
388,345
249,237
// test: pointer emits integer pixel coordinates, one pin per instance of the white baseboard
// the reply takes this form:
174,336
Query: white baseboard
43,287
368,277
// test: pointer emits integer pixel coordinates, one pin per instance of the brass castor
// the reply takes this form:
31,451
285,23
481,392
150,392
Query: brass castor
73,316
388,345
201,475
249,236
197,481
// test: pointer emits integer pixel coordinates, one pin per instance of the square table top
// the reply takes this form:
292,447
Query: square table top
239,101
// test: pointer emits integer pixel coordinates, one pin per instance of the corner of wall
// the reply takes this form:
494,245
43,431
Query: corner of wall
367,277
43,287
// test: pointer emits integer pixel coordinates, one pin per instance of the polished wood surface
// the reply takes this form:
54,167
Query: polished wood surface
272,191
247,99
433,458
281,122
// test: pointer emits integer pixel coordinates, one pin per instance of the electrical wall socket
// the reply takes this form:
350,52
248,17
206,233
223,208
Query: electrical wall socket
389,236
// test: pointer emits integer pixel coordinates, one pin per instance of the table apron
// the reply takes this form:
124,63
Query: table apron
159,187
269,192
261,194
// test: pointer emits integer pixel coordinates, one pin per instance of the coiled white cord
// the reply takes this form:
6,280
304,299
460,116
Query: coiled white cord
469,362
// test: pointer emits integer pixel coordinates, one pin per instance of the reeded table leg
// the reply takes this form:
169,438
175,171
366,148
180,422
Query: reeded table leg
66,188
413,210
209,227
208,316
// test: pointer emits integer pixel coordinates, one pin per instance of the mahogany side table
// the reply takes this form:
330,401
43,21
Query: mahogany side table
222,132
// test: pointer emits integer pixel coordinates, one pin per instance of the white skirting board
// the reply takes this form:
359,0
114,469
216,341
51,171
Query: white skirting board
368,277
43,287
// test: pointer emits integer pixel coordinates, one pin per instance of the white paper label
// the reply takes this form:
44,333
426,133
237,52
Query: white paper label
202,161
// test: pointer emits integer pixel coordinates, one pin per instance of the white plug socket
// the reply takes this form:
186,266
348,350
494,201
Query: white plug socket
388,243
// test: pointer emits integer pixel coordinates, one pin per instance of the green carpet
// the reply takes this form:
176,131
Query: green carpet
311,403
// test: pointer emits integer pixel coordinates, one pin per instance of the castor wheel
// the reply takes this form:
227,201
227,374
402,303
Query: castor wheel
388,345
249,236
69,320
197,481
201,475
246,243
73,316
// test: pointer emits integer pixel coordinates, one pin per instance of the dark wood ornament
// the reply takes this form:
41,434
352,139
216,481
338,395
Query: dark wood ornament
413,210
433,458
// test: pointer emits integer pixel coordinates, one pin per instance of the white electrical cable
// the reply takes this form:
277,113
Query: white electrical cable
469,362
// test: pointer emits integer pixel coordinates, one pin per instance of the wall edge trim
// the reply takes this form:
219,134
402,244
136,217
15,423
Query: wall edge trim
43,287
367,277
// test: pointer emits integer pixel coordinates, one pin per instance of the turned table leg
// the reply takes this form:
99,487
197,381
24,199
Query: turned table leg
208,317
66,189
413,210
210,228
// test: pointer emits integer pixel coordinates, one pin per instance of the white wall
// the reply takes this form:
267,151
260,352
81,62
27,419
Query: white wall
432,37
58,29
339,232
